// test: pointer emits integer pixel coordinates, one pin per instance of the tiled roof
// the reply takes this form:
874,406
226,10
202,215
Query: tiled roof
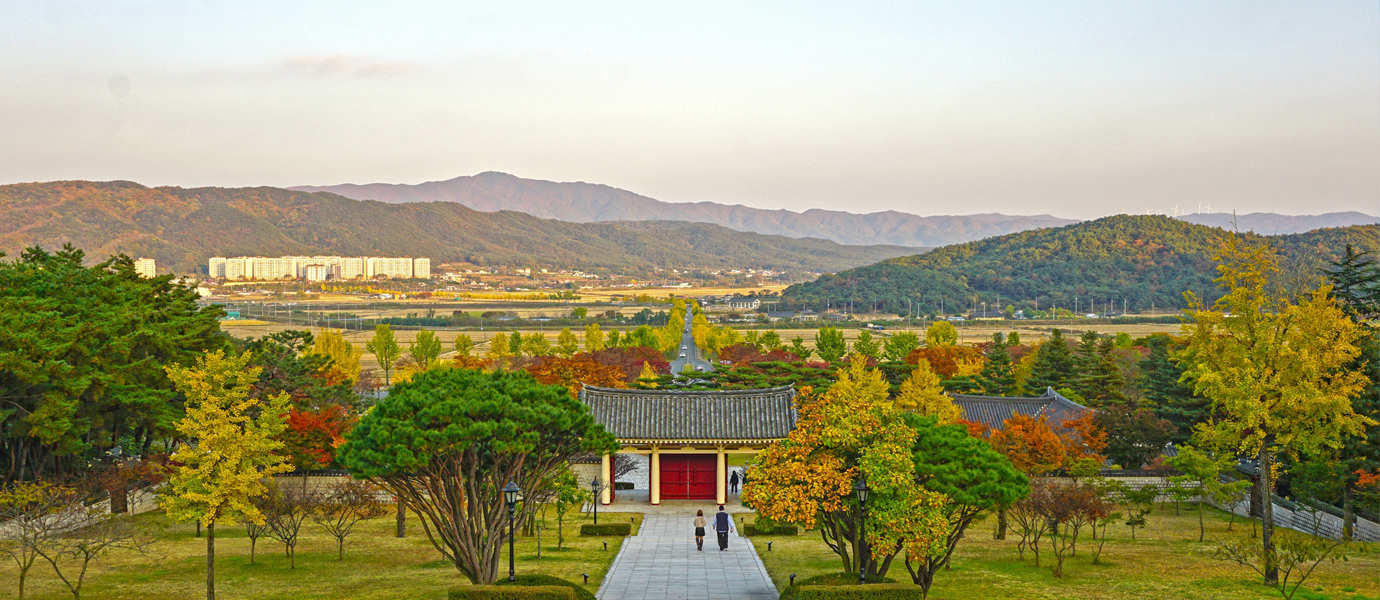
991,410
687,416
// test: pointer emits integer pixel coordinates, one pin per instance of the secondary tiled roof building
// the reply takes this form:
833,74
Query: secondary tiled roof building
992,410
687,434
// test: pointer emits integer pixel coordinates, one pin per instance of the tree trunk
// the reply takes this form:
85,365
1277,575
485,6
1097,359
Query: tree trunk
1001,523
1267,513
402,517
1348,513
198,528
210,559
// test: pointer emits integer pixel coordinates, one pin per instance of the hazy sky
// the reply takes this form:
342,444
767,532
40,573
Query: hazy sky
1078,109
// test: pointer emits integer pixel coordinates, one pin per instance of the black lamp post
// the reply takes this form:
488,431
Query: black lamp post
860,488
594,487
510,497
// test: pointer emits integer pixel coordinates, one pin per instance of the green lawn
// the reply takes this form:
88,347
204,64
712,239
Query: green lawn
1166,561
376,566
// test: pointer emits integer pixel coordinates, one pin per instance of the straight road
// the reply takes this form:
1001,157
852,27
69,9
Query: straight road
690,351
661,563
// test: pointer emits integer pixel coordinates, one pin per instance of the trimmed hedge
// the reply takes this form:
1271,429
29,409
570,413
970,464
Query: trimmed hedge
622,485
547,580
511,592
836,581
871,591
777,529
606,529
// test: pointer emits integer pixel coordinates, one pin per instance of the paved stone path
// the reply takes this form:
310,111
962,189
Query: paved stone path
661,563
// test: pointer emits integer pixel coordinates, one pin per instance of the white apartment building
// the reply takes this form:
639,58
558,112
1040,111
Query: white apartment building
216,267
392,268
317,268
317,272
145,267
352,268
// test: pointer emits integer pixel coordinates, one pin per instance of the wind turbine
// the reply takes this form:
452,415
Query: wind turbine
1176,211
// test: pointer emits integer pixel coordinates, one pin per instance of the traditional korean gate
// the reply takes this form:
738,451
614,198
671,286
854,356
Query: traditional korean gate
688,476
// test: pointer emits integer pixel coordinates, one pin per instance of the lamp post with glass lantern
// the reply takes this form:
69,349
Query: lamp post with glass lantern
510,497
860,488
594,487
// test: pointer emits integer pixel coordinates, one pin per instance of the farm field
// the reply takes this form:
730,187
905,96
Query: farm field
1165,561
377,565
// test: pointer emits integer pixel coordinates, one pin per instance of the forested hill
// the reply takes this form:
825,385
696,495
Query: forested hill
1142,259
181,228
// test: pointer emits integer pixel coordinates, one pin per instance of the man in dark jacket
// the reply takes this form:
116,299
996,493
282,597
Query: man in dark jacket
733,483
723,524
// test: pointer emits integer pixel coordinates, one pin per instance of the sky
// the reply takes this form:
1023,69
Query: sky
1076,109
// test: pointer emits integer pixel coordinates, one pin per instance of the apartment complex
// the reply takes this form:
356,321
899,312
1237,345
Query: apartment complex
318,268
145,267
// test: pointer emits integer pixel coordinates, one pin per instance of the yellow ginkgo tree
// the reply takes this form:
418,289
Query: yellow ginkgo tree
231,447
849,432
1274,369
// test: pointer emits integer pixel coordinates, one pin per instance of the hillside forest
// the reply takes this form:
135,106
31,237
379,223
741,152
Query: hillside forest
1148,262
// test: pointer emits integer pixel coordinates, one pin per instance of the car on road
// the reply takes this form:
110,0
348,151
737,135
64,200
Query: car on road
699,368
682,355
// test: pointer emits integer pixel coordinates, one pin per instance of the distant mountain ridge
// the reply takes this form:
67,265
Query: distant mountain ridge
1276,224
181,228
580,202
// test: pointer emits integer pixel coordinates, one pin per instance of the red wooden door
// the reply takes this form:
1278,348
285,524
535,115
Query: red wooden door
688,476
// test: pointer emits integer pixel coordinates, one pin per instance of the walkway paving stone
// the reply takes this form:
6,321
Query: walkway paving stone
661,563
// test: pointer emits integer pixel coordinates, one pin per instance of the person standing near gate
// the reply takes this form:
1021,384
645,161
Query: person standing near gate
700,524
733,482
722,525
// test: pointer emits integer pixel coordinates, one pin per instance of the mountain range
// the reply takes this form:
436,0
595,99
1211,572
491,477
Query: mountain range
580,202
1145,261
181,228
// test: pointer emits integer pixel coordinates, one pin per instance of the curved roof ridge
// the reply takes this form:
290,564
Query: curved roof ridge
660,392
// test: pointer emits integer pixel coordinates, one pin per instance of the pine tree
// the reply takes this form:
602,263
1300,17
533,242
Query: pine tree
1171,400
1099,381
1356,286
996,377
1053,364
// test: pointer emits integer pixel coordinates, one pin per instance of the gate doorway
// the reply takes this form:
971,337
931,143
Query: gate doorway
688,476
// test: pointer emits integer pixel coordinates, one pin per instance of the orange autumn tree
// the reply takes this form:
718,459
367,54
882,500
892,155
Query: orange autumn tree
1082,439
311,437
575,373
1030,444
807,479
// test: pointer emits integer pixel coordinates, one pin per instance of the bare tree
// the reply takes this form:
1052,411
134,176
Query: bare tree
347,504
253,530
1030,522
288,508
27,515
1067,509
82,534
1295,555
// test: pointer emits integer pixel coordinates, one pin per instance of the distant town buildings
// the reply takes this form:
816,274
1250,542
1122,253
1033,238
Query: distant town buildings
145,267
316,268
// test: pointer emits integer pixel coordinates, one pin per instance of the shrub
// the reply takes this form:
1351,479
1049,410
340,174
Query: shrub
606,529
622,485
773,529
511,592
547,580
837,581
873,591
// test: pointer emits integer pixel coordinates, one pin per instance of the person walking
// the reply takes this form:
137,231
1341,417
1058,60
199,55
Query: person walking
700,524
723,524
733,483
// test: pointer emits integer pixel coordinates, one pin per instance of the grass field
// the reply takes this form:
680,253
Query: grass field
1166,561
377,565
